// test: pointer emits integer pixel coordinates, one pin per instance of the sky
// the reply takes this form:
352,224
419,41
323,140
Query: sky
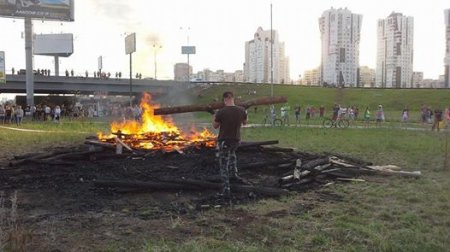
219,30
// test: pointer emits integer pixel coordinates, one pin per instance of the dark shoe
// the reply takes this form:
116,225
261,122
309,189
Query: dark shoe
224,195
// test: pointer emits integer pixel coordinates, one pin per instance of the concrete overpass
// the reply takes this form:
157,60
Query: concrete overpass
82,85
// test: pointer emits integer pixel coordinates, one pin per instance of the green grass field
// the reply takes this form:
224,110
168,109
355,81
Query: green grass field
381,214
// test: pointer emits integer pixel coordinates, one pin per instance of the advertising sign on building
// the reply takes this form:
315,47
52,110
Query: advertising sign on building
53,44
61,10
188,50
2,68
130,43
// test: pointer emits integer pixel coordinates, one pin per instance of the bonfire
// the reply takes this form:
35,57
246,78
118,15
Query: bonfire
155,132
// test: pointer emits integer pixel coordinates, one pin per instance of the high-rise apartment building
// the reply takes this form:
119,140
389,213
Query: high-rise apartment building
395,52
311,77
260,55
182,72
340,32
417,79
366,77
447,49
219,75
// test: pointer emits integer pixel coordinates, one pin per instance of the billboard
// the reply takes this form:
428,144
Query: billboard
62,10
188,50
2,68
130,43
53,44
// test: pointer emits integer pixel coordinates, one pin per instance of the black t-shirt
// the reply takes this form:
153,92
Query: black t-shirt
230,119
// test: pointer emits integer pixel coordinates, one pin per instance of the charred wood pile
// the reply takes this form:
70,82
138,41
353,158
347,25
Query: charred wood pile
269,170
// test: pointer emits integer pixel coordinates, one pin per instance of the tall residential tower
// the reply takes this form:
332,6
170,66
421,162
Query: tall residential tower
447,49
395,52
340,32
258,59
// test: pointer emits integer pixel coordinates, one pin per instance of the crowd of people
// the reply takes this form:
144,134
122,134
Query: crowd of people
11,114
14,114
437,117
71,73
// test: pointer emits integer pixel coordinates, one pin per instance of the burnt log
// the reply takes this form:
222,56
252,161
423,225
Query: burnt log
40,155
31,155
266,164
217,105
348,158
101,144
187,184
414,174
72,155
54,158
276,149
270,191
314,163
243,145
40,161
297,184
149,185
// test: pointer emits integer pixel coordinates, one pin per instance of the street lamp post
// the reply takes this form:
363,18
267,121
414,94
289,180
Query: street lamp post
156,48
188,72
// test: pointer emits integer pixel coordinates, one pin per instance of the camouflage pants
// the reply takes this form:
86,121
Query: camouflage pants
227,163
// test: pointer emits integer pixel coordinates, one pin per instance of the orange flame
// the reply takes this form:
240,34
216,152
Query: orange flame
156,132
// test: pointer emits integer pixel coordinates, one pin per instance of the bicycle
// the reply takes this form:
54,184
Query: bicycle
338,123
267,121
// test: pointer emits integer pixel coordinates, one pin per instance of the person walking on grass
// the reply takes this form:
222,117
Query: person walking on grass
437,119
297,114
405,115
321,111
57,114
380,115
228,120
366,117
285,114
19,115
446,117
2,114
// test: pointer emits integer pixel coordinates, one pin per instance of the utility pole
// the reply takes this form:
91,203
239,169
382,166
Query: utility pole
156,47
29,61
131,80
188,50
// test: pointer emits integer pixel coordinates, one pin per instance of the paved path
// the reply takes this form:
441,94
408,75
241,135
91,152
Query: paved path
40,131
251,125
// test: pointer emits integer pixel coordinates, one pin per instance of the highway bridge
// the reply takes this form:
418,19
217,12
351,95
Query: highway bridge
83,85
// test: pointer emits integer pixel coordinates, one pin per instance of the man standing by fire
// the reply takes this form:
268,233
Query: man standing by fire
229,120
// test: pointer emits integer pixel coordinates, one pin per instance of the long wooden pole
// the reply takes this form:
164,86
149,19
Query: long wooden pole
218,105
